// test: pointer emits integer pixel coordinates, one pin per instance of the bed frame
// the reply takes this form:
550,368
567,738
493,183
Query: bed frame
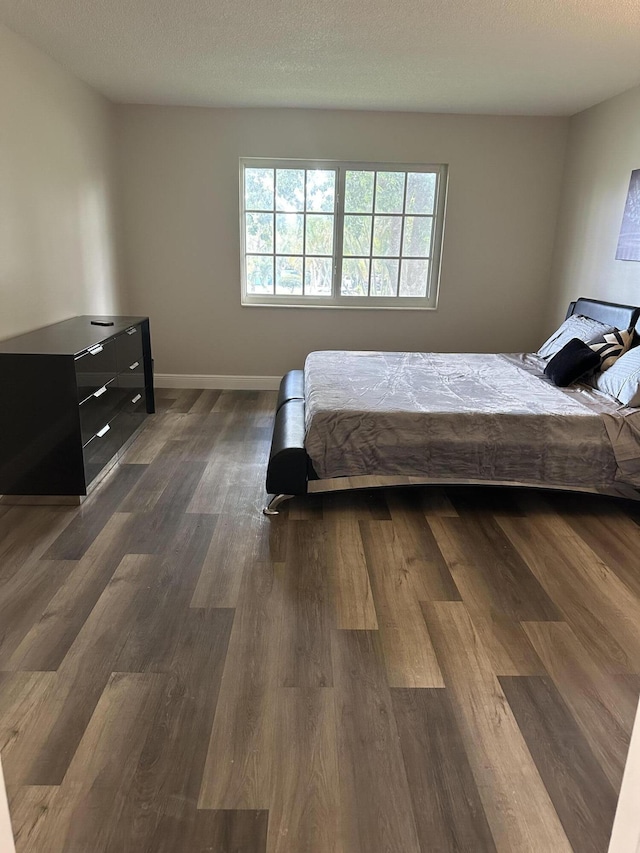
290,472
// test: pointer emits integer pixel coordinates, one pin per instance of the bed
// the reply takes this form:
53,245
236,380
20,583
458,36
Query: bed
354,420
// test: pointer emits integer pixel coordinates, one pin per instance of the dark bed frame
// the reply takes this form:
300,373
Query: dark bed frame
289,469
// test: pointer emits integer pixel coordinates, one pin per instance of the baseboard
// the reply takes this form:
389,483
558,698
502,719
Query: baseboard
224,383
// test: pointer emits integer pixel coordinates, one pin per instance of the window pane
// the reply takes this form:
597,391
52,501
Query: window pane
317,276
259,275
289,189
288,276
421,192
321,189
289,233
413,278
258,189
386,235
384,277
357,235
417,236
260,233
319,234
389,192
358,193
355,277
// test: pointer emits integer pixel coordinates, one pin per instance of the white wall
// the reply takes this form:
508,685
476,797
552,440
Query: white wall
179,186
56,170
602,150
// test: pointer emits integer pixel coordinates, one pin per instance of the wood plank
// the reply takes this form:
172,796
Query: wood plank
233,464
308,508
420,549
237,542
237,772
24,598
50,638
27,532
304,814
85,670
304,658
159,475
351,596
24,698
489,571
436,503
156,432
581,793
204,434
605,583
228,831
178,493
365,505
156,627
507,646
30,809
584,592
95,787
409,656
91,518
515,800
602,704
615,538
205,403
496,589
162,798
185,399
376,812
239,402
446,803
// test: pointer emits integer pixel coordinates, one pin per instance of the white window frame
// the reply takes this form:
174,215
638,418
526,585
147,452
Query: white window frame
335,300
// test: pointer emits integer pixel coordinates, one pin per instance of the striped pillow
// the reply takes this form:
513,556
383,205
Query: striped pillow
611,346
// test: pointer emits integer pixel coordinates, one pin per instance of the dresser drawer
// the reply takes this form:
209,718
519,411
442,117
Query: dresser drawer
100,408
133,414
101,449
95,368
129,351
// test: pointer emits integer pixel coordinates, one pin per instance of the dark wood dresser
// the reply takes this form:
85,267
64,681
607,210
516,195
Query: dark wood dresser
71,396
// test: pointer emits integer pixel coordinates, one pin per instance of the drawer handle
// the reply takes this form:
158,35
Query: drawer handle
103,431
95,350
100,391
132,330
136,398
134,365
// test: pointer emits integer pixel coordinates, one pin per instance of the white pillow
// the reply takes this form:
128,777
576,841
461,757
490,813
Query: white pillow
622,379
576,326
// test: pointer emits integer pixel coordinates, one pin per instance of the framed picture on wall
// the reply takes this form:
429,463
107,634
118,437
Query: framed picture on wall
629,240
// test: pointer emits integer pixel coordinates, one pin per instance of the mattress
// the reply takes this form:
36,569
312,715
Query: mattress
463,417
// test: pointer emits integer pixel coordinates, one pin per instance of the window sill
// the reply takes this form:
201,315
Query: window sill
341,306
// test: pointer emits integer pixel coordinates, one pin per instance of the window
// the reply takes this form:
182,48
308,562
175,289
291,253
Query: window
341,234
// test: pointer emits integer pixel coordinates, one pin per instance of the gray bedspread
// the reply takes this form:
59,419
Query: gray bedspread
463,417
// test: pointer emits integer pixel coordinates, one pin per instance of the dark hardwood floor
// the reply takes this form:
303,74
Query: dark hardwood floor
404,671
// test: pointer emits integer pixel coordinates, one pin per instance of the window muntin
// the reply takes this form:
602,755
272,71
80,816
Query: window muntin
341,234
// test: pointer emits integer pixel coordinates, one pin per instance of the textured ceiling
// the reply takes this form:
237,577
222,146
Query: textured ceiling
480,56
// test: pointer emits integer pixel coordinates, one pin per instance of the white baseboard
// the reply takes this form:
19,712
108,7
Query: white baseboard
224,383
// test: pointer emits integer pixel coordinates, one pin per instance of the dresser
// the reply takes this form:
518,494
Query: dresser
72,395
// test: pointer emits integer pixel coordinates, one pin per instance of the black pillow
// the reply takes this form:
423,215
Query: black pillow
572,362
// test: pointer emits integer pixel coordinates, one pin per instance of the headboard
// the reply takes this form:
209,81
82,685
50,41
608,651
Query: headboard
620,316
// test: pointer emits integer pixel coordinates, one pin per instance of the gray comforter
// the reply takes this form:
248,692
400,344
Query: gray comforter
463,417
